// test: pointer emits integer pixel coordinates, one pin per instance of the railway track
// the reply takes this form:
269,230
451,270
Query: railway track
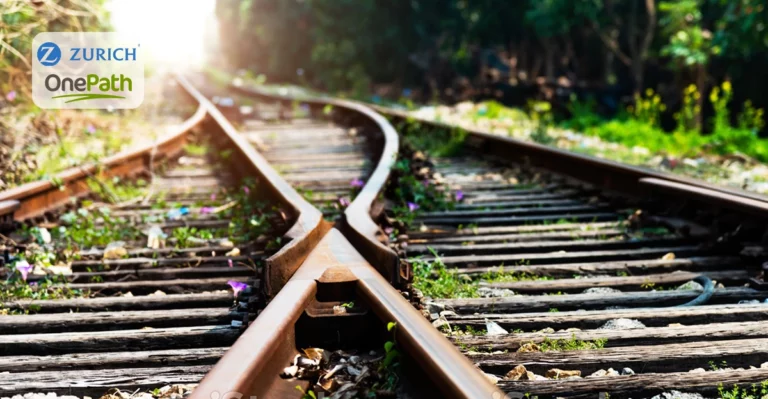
552,275
327,162
139,284
590,293
557,287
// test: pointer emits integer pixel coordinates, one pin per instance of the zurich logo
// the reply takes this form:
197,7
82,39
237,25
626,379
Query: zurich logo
49,54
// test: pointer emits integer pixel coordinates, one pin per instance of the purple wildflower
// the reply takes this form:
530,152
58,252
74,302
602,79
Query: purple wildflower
24,268
230,262
246,190
237,286
389,230
33,284
90,129
356,183
11,96
459,195
425,183
343,202
412,207
206,210
213,197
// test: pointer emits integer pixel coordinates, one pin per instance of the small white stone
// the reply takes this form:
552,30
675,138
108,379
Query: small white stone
622,324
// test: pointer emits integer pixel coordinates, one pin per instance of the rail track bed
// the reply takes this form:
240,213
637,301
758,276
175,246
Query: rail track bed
540,279
145,293
325,159
560,290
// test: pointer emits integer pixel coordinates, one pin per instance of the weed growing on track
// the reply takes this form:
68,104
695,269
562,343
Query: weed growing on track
308,394
435,142
501,276
250,220
390,365
80,229
434,280
50,287
116,190
184,235
469,330
196,150
571,344
53,287
753,392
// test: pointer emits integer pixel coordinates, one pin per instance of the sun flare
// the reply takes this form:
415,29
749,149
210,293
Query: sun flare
174,33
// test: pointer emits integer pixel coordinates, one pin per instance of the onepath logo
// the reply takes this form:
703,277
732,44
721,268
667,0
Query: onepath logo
86,70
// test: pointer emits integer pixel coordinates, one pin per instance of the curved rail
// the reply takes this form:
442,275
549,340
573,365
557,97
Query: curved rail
35,198
607,174
253,365
309,227
358,225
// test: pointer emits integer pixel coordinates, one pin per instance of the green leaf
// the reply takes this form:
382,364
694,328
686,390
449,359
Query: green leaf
388,346
391,325
390,358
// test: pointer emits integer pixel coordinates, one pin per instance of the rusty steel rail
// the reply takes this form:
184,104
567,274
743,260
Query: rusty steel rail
358,225
27,202
35,198
603,173
309,227
705,228
253,365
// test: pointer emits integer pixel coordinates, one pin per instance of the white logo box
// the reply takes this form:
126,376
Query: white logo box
87,70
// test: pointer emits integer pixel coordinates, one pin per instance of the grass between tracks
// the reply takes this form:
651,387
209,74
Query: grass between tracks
435,280
52,251
755,391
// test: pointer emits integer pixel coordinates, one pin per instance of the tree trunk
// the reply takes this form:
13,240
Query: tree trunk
637,75
549,66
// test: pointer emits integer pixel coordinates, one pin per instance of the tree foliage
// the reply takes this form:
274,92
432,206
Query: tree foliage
21,20
629,44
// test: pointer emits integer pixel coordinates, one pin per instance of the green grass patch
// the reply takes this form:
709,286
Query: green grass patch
755,391
196,150
572,344
436,142
434,280
501,276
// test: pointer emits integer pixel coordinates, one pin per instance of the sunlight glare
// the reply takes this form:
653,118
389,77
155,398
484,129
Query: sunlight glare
173,33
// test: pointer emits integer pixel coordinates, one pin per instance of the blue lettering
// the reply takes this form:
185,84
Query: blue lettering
103,54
